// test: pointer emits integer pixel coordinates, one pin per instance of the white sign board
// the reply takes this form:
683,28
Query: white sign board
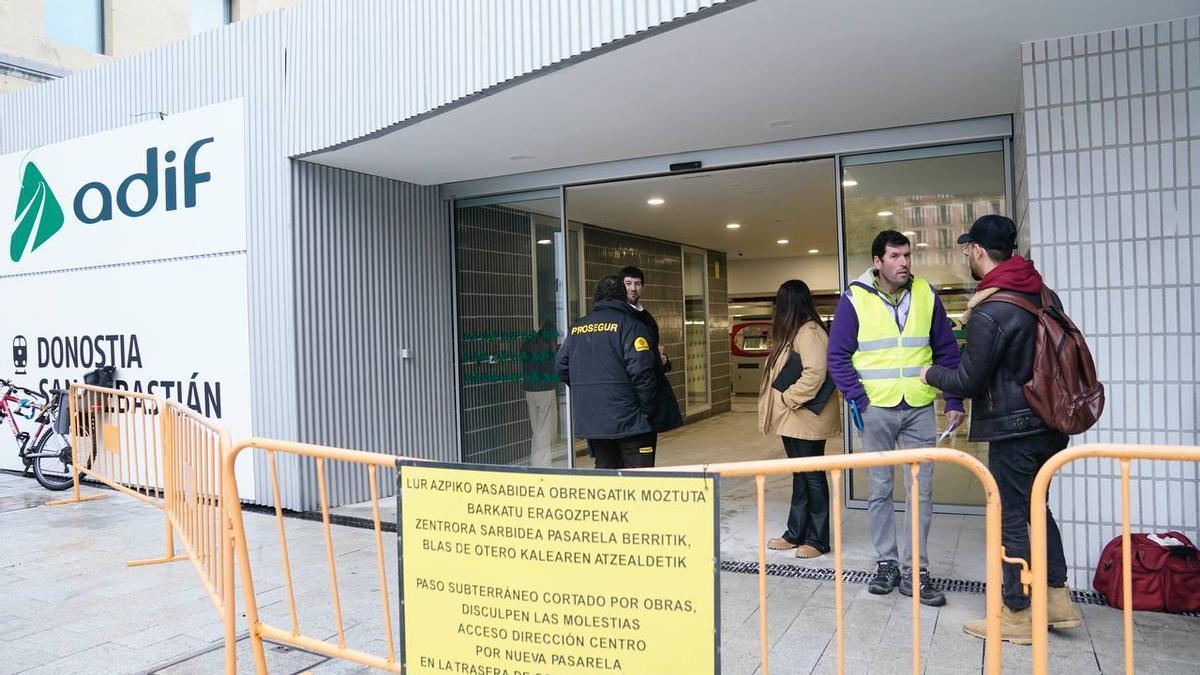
161,189
160,295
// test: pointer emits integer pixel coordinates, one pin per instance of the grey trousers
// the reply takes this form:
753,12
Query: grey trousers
886,429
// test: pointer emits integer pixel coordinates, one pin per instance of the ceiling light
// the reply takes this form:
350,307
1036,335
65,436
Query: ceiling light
733,226
921,244
736,306
884,214
813,250
520,157
782,241
907,233
656,201
543,242
849,182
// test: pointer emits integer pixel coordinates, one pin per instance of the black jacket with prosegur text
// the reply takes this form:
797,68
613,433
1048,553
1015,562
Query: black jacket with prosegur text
617,386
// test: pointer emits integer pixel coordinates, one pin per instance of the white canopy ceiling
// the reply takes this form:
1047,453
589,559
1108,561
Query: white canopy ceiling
767,71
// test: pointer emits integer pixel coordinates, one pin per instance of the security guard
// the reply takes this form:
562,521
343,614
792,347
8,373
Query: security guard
888,325
617,386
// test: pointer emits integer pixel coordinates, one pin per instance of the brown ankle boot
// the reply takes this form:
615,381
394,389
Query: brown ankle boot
1060,611
1015,627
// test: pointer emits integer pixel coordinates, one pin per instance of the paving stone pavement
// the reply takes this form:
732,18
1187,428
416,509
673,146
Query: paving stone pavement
63,568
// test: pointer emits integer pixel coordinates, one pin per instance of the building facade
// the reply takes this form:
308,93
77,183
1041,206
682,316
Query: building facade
404,162
42,40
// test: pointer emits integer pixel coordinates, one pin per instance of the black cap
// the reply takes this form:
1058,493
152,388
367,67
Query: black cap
992,232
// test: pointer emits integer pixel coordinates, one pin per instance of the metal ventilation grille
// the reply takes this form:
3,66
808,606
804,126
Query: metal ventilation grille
861,577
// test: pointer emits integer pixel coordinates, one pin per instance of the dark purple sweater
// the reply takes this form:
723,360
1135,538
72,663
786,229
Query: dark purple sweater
843,342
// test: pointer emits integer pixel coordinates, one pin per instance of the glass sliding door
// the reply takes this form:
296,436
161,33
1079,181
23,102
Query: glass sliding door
512,304
695,330
931,195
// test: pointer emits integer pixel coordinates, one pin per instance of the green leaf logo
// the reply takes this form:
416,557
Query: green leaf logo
37,211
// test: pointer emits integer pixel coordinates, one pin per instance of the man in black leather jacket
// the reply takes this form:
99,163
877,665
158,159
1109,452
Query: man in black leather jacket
616,381
996,364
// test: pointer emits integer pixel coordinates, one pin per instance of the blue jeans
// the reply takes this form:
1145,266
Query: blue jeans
1014,464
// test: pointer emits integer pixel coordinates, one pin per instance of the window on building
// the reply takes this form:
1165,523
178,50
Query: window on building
76,23
943,214
210,14
918,216
968,213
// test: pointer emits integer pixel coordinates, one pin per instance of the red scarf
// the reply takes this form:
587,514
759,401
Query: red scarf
1014,274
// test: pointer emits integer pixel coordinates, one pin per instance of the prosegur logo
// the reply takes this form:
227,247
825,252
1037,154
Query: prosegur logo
39,216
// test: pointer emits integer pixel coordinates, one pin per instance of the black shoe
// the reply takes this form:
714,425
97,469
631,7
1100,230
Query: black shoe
887,577
929,595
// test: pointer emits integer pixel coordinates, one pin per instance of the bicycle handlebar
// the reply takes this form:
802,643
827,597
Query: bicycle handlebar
13,385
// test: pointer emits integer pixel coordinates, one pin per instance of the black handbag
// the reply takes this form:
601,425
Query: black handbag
791,371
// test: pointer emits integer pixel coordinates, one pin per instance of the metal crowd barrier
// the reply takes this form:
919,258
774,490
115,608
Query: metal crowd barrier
835,465
175,459
169,457
293,635
1038,573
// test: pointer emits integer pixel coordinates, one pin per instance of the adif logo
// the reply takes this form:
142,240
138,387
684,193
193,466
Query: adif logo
39,215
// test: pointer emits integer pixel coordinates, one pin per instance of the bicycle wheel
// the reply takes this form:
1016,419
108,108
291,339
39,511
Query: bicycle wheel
52,461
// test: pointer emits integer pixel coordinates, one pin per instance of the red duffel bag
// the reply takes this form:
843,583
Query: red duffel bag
1165,578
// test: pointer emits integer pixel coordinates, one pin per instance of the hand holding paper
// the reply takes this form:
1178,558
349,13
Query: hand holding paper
954,419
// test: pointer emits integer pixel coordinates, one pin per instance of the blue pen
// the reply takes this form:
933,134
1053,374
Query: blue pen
857,415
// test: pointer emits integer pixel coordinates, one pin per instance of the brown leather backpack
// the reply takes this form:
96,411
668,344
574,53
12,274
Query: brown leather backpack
1063,391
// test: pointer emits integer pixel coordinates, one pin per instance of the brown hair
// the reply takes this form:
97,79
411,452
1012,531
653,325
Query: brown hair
793,308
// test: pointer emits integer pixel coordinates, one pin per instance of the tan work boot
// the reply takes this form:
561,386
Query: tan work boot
1015,627
1060,611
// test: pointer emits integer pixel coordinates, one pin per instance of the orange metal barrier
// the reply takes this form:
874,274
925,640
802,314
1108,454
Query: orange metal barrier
168,456
835,465
1038,573
292,635
193,450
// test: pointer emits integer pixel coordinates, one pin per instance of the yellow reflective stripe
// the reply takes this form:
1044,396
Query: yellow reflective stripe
877,345
889,373
893,343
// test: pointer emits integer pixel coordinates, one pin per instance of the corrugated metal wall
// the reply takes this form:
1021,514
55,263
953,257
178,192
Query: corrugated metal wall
374,275
244,60
317,75
399,60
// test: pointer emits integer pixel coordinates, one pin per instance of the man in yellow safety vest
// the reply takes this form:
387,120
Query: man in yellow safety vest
887,326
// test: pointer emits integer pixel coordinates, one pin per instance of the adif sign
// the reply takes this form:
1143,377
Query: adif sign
131,243
160,189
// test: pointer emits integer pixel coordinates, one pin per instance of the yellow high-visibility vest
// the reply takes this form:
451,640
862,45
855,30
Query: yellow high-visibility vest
889,360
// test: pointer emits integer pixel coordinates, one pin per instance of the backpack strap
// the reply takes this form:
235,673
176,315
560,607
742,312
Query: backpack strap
1014,299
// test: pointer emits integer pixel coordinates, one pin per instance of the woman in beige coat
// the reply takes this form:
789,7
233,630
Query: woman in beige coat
798,328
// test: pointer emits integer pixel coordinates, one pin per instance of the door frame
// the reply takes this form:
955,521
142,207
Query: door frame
912,138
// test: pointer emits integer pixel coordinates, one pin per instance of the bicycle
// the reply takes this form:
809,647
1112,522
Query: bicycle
49,454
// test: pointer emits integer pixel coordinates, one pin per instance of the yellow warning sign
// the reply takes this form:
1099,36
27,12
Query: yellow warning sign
544,571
